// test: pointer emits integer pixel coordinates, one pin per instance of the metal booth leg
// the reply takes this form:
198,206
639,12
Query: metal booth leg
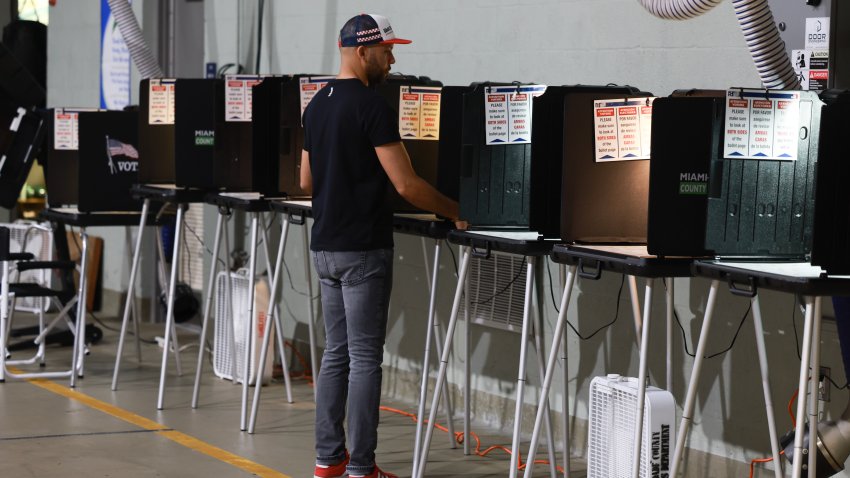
131,295
219,224
802,395
526,323
80,337
444,362
264,349
670,303
765,383
467,368
429,336
248,332
644,353
541,369
273,312
169,315
688,410
557,336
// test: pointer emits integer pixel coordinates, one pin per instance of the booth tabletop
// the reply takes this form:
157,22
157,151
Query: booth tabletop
244,201
168,193
744,278
73,217
632,260
424,225
526,243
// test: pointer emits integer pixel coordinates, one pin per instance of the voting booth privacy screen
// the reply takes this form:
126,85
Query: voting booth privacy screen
21,129
416,100
495,179
278,133
199,107
214,135
761,199
831,243
555,113
605,173
93,159
687,131
156,131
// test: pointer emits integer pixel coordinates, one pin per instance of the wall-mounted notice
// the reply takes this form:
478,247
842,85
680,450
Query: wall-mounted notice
237,96
507,113
623,128
419,112
66,128
161,101
309,86
761,124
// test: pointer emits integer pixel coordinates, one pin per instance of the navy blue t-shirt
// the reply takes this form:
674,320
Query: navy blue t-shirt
343,124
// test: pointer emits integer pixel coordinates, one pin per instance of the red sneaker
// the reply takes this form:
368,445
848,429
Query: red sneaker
376,473
331,471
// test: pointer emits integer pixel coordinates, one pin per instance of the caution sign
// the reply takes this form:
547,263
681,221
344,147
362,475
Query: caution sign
237,96
507,113
761,124
66,128
623,129
419,112
161,101
308,87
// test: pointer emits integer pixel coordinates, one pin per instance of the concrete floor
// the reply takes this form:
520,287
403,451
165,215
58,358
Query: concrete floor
48,430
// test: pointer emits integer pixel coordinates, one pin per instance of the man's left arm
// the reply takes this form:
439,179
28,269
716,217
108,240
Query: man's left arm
306,178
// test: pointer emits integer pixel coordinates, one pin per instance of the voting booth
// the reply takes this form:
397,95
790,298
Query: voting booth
495,178
416,100
687,128
93,159
556,113
605,172
156,131
832,216
278,134
761,199
214,135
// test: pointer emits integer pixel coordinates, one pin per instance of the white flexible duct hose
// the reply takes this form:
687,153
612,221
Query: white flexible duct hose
760,32
139,51
766,47
678,9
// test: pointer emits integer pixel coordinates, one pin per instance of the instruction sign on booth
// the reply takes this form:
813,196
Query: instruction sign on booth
623,128
761,125
507,113
419,112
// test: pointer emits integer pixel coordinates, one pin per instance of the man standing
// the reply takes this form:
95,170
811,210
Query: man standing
352,154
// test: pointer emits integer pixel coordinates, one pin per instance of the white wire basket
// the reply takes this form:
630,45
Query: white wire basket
236,314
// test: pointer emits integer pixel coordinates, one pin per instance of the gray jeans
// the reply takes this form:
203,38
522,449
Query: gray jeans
355,301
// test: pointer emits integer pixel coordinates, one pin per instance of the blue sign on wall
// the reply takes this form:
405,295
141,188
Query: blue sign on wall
114,62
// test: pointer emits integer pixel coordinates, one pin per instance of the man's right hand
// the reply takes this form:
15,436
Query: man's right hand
461,225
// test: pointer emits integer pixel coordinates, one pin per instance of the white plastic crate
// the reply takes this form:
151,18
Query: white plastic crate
613,400
237,314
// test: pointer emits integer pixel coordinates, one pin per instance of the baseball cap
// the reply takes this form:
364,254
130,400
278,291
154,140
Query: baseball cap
366,29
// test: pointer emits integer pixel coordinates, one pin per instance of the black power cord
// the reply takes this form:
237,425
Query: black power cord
600,329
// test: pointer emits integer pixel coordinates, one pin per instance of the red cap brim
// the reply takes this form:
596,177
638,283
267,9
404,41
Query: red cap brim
396,41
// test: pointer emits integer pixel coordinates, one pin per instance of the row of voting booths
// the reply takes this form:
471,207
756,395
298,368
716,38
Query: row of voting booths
736,174
579,170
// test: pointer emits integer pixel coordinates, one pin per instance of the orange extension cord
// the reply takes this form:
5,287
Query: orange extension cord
793,425
459,438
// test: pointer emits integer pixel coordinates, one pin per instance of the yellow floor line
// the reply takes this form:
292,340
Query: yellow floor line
181,438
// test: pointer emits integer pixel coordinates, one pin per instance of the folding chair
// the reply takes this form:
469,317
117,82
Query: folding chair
18,263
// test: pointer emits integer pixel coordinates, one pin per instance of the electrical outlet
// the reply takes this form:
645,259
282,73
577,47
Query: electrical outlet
824,385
